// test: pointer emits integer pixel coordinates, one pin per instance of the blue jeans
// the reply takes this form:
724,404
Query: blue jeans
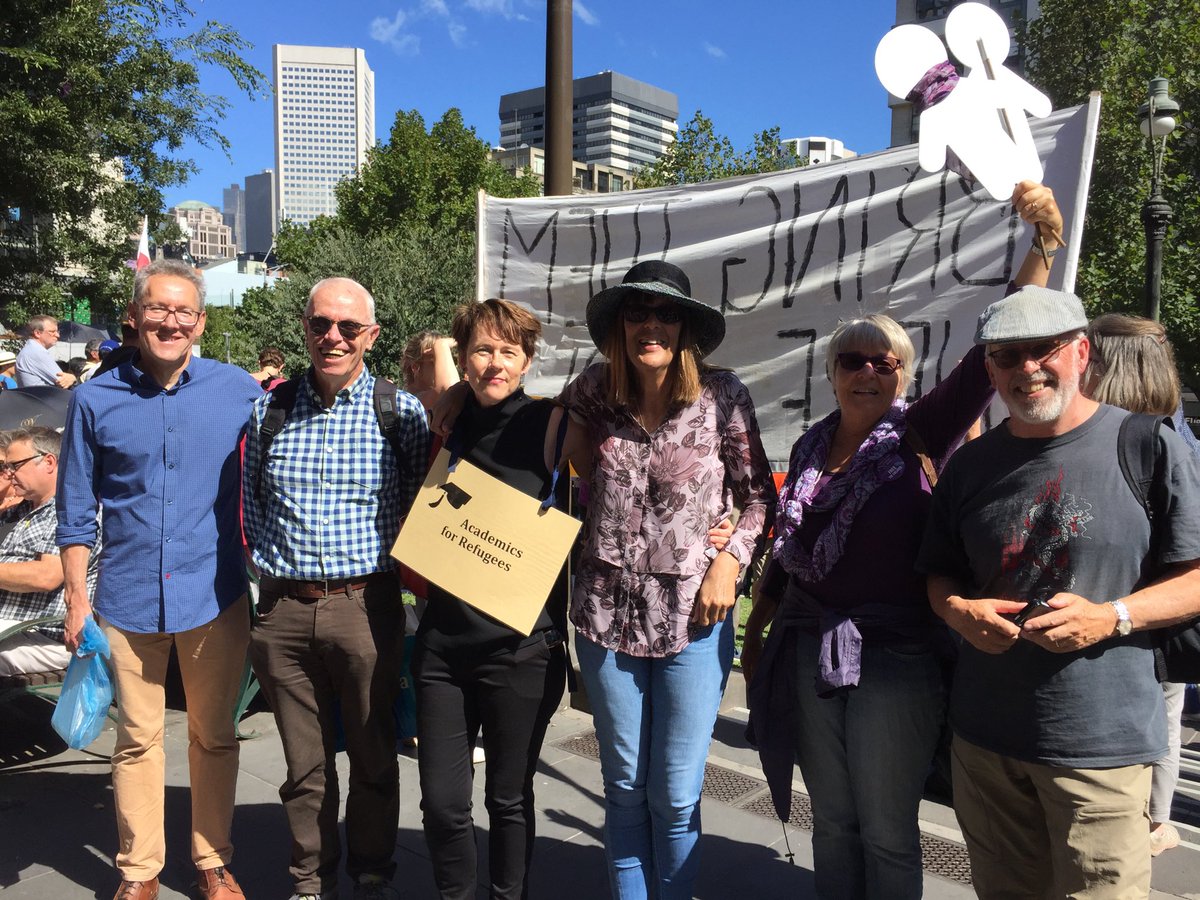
865,755
654,719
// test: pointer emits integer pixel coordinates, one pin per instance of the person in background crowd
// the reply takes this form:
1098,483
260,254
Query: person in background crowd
13,506
428,366
35,364
1132,365
113,354
270,373
91,352
31,576
472,670
322,511
155,442
851,666
8,368
1037,552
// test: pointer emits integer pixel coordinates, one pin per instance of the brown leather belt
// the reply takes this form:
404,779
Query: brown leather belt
314,590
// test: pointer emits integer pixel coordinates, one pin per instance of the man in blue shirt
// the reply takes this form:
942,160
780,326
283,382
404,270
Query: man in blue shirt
35,363
321,515
155,442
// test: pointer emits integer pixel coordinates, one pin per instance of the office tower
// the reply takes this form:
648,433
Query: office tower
324,125
617,122
233,213
208,236
932,14
262,206
818,149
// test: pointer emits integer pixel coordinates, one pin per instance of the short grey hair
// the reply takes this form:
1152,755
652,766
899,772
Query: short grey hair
43,439
176,267
879,331
346,282
40,323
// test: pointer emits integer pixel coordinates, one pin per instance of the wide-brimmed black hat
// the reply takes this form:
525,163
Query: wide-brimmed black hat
656,277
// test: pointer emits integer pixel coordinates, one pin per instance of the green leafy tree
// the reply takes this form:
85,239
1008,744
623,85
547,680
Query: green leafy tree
1116,46
700,154
97,100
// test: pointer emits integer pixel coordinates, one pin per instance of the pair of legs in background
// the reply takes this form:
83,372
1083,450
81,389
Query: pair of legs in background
512,695
654,720
212,659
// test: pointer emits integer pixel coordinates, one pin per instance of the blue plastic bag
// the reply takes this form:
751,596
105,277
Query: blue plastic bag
87,690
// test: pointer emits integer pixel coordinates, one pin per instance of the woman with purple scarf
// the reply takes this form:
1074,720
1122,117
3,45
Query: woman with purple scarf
850,681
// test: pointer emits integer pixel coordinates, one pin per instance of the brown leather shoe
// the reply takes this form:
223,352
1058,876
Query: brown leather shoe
218,884
137,890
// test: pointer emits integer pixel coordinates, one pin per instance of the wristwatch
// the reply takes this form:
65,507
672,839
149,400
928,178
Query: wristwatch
1124,625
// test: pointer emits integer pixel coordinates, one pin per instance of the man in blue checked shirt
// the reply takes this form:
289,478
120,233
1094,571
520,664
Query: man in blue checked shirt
321,514
154,441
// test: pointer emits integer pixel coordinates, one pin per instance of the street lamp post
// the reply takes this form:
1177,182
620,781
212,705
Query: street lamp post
1157,118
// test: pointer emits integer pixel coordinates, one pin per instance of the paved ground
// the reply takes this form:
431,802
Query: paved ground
56,821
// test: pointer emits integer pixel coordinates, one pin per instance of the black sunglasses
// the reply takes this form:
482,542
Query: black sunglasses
1041,352
319,325
668,313
882,364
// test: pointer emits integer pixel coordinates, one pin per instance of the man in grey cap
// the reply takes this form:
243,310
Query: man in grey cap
1040,556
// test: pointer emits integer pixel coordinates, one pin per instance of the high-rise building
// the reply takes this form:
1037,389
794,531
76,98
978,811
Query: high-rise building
906,127
324,125
262,210
617,121
586,178
208,236
233,212
818,149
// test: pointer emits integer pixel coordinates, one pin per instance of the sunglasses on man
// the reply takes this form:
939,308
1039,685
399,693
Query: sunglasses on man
348,329
1041,353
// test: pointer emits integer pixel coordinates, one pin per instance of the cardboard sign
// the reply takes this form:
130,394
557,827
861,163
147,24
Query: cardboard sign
487,543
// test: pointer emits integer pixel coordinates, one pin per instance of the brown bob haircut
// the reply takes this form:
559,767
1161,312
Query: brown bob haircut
503,318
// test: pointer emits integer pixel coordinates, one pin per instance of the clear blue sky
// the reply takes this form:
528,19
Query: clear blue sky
806,67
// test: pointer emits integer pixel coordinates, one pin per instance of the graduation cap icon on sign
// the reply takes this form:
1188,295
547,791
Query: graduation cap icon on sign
452,492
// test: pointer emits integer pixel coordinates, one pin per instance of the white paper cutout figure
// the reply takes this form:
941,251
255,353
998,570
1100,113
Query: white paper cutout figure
980,120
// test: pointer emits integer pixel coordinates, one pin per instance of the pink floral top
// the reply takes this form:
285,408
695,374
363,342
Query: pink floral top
652,500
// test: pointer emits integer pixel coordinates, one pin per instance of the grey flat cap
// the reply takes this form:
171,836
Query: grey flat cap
1029,314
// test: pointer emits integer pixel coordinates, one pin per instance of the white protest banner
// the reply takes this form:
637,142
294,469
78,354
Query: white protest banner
785,257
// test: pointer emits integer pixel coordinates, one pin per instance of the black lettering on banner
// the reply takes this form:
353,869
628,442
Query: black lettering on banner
805,404
942,352
666,229
839,198
551,225
607,250
1010,247
726,303
919,233
864,238
919,363
637,235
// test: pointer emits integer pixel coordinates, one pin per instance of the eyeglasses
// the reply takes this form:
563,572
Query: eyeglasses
12,468
320,325
185,316
882,364
667,314
1041,352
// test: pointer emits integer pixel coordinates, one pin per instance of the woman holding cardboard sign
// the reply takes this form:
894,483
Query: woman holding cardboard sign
472,670
676,447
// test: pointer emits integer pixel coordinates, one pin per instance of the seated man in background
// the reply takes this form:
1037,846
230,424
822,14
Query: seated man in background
31,576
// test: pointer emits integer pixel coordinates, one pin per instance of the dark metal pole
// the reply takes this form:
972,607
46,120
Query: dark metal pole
1156,216
558,98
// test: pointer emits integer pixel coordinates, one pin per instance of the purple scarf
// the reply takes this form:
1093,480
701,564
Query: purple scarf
934,86
876,461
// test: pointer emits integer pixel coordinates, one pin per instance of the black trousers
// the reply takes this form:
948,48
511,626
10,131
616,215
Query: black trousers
512,695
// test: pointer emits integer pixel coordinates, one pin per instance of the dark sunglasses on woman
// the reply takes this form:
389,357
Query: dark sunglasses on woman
667,314
852,361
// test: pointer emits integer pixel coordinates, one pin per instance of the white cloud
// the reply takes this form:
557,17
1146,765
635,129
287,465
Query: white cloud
458,33
435,7
499,7
586,16
391,32
714,51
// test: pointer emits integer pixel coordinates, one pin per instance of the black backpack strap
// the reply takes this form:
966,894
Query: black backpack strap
1138,453
384,400
279,407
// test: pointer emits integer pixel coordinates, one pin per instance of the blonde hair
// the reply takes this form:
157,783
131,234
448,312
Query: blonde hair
414,349
872,331
683,377
1132,365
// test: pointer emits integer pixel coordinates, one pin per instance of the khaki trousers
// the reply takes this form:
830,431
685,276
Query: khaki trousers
212,659
1036,831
